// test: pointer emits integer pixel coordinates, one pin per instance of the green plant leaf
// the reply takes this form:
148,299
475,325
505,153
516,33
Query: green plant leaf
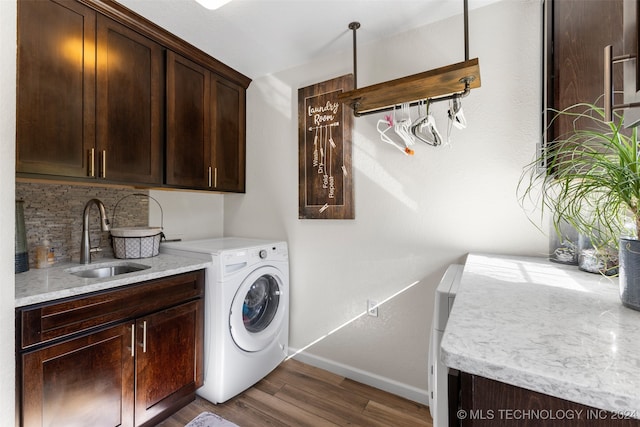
589,177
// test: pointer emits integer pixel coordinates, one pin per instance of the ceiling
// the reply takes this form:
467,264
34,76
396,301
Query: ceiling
259,37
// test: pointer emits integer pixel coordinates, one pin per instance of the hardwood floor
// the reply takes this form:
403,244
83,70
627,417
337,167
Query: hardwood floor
296,395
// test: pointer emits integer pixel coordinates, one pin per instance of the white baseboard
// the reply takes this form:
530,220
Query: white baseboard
369,378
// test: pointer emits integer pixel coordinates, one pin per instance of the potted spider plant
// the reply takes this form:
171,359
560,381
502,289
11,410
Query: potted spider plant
592,181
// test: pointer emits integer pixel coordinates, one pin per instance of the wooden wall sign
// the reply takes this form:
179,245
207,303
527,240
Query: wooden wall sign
325,151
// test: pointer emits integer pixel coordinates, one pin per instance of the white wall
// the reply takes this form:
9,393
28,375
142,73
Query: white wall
414,215
7,209
187,215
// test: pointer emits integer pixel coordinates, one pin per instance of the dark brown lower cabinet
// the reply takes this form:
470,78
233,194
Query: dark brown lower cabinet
485,402
128,357
166,362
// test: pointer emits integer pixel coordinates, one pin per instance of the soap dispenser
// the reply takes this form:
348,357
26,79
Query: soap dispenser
42,255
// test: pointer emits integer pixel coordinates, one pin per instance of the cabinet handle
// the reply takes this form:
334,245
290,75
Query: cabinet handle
144,336
215,177
608,83
609,60
209,176
133,339
92,163
103,173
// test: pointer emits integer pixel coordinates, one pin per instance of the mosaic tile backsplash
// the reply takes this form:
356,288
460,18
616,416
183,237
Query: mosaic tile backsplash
54,212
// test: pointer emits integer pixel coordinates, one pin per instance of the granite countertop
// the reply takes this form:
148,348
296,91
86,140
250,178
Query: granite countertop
546,327
48,284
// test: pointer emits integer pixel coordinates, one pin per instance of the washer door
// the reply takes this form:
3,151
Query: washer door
258,309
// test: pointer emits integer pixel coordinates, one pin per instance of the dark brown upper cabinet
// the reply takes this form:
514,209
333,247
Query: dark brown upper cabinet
56,88
188,123
228,130
101,96
205,128
90,96
130,104
577,32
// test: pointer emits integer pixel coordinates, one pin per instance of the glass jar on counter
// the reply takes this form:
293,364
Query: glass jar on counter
563,243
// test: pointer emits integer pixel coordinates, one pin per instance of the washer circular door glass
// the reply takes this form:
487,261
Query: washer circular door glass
260,303
258,309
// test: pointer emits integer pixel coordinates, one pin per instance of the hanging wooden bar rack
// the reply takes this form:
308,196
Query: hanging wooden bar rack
435,85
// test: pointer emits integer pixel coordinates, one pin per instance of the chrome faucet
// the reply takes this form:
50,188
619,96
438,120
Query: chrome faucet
85,244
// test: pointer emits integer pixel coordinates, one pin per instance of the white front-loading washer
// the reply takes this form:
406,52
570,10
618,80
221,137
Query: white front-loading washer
246,310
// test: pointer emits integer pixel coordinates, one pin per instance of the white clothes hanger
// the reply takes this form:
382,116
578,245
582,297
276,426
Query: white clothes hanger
425,128
385,134
456,115
402,126
430,125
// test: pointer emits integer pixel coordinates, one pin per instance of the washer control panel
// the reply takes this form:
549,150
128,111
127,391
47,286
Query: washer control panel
238,259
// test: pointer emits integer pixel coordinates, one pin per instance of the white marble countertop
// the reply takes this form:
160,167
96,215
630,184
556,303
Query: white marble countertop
546,327
48,284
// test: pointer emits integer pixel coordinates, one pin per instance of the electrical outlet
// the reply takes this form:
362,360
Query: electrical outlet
372,308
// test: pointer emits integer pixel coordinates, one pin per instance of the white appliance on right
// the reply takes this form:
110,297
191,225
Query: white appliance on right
437,375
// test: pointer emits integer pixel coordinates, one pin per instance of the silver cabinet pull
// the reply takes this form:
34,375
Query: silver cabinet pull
608,83
209,176
215,177
133,339
92,163
609,60
144,336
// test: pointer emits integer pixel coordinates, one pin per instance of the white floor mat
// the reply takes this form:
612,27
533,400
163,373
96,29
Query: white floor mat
207,419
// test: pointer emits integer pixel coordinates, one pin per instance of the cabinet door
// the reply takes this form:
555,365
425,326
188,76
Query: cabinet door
490,403
579,31
188,154
56,87
130,96
87,381
228,130
169,365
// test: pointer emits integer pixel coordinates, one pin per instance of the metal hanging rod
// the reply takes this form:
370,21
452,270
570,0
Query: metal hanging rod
354,27
466,29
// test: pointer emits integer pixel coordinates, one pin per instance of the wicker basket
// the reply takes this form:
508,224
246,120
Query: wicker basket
136,242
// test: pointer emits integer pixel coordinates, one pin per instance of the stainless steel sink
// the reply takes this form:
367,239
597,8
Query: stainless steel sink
108,270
